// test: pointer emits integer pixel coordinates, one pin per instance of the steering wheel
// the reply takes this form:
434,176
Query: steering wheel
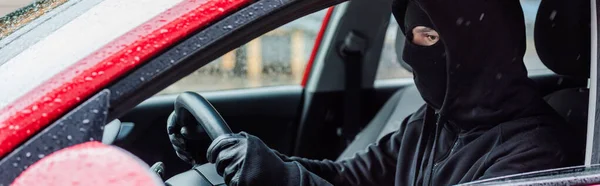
209,121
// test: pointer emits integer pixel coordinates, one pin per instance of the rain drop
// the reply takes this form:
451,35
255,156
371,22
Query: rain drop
221,10
499,76
15,164
578,57
28,154
54,137
95,111
560,80
137,58
468,23
481,16
86,121
81,129
69,137
41,156
89,78
143,79
553,15
460,21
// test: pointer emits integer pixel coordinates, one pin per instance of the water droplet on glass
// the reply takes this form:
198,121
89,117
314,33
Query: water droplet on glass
28,154
560,80
552,15
459,21
86,121
69,137
481,16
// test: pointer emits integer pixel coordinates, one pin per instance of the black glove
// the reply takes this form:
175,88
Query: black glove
189,147
243,159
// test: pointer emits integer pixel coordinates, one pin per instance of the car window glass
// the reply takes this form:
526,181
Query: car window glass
390,68
276,58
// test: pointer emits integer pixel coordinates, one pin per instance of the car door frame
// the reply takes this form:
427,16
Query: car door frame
136,85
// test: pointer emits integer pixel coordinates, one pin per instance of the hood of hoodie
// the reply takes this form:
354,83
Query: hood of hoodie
475,73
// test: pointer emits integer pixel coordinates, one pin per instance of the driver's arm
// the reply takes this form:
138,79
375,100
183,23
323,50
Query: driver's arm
243,159
374,166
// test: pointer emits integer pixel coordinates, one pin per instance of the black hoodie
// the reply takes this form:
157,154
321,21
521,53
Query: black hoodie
489,122
483,117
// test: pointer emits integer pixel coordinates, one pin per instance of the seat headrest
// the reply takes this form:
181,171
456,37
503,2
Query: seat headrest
562,36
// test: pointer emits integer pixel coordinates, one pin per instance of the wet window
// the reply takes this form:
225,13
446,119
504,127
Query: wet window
16,13
277,58
390,68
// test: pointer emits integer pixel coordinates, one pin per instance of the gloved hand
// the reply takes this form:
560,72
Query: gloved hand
189,147
243,159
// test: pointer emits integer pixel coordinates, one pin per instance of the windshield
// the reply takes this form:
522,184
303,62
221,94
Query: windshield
21,16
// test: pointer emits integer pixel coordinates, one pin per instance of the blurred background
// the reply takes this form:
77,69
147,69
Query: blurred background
276,58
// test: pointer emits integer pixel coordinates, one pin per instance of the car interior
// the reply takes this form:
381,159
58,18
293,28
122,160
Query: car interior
306,121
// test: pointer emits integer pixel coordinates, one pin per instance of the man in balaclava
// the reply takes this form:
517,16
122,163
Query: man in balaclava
483,116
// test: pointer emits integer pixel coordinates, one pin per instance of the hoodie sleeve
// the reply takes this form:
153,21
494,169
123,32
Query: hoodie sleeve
374,166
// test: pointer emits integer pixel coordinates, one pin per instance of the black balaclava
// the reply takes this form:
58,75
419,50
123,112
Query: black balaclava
428,62
474,75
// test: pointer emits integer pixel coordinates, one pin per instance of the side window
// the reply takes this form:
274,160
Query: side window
276,58
390,68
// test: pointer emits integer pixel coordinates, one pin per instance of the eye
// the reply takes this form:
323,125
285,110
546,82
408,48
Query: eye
425,36
432,37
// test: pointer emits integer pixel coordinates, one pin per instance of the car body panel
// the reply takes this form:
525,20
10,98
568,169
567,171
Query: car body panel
52,99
